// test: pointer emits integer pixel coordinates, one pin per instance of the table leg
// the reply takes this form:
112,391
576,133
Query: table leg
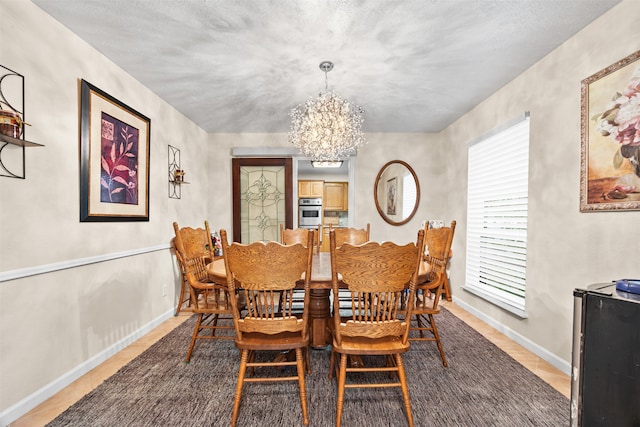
447,287
319,316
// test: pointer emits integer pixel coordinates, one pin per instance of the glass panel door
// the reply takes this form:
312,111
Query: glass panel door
262,198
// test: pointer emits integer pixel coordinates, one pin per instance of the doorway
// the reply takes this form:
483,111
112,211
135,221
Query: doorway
304,171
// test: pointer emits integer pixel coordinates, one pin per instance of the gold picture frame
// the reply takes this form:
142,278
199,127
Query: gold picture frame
610,138
114,159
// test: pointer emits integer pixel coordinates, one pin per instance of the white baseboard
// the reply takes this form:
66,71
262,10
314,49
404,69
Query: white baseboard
541,352
28,403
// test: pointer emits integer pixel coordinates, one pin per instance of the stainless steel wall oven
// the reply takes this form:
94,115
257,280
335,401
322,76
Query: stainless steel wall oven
310,212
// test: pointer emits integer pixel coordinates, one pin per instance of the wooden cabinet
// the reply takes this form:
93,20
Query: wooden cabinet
310,188
324,246
336,196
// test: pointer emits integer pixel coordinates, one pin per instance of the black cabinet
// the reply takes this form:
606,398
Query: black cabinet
605,376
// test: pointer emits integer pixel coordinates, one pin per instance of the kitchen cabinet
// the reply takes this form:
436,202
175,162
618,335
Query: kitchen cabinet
310,188
336,196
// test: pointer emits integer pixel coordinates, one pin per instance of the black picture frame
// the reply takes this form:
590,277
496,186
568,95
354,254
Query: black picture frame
114,159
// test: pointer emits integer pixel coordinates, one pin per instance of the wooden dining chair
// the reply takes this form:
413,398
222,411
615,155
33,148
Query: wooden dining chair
262,272
183,298
376,276
291,236
195,242
210,301
425,305
351,235
446,290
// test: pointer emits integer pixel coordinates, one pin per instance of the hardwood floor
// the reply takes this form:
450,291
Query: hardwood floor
55,405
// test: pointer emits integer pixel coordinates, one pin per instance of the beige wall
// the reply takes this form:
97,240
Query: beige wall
421,152
54,322
566,248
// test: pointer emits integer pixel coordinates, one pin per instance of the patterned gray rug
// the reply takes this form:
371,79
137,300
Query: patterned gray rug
483,386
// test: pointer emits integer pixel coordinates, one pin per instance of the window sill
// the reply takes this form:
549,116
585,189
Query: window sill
521,313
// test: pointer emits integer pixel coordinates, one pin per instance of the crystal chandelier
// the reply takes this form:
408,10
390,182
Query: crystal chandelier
327,127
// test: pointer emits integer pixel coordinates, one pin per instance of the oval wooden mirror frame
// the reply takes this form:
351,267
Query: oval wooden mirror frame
384,192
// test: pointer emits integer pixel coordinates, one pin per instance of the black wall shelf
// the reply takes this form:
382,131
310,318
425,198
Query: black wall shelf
6,78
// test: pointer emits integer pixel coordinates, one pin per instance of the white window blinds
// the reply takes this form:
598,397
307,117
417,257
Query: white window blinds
409,195
497,217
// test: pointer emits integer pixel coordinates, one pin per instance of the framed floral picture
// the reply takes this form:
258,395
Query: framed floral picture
114,159
610,133
392,195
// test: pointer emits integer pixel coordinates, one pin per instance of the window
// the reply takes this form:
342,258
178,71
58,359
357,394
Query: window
497,206
409,194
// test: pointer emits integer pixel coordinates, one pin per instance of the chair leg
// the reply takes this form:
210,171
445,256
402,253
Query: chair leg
214,324
251,358
437,337
193,338
241,372
420,325
332,362
391,362
307,360
405,389
301,384
183,284
342,379
447,287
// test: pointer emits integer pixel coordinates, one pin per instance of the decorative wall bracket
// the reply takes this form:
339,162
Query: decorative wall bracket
176,174
12,87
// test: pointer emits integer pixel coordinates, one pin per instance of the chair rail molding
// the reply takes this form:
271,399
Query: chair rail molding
20,273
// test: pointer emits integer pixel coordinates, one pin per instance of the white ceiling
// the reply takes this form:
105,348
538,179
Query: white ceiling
241,65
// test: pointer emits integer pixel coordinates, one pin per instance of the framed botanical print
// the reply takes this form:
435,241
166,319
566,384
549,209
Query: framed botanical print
114,159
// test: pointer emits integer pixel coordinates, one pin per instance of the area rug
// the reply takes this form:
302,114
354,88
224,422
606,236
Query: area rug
483,386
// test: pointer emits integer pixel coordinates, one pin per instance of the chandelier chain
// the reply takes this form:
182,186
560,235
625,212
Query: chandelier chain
326,80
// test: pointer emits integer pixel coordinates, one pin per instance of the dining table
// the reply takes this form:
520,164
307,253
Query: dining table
319,297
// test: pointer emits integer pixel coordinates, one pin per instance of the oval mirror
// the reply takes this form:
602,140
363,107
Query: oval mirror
396,192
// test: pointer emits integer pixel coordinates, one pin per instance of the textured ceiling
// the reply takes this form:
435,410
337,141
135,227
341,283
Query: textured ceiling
240,66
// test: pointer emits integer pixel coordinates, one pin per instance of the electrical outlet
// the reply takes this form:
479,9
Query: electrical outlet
164,291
